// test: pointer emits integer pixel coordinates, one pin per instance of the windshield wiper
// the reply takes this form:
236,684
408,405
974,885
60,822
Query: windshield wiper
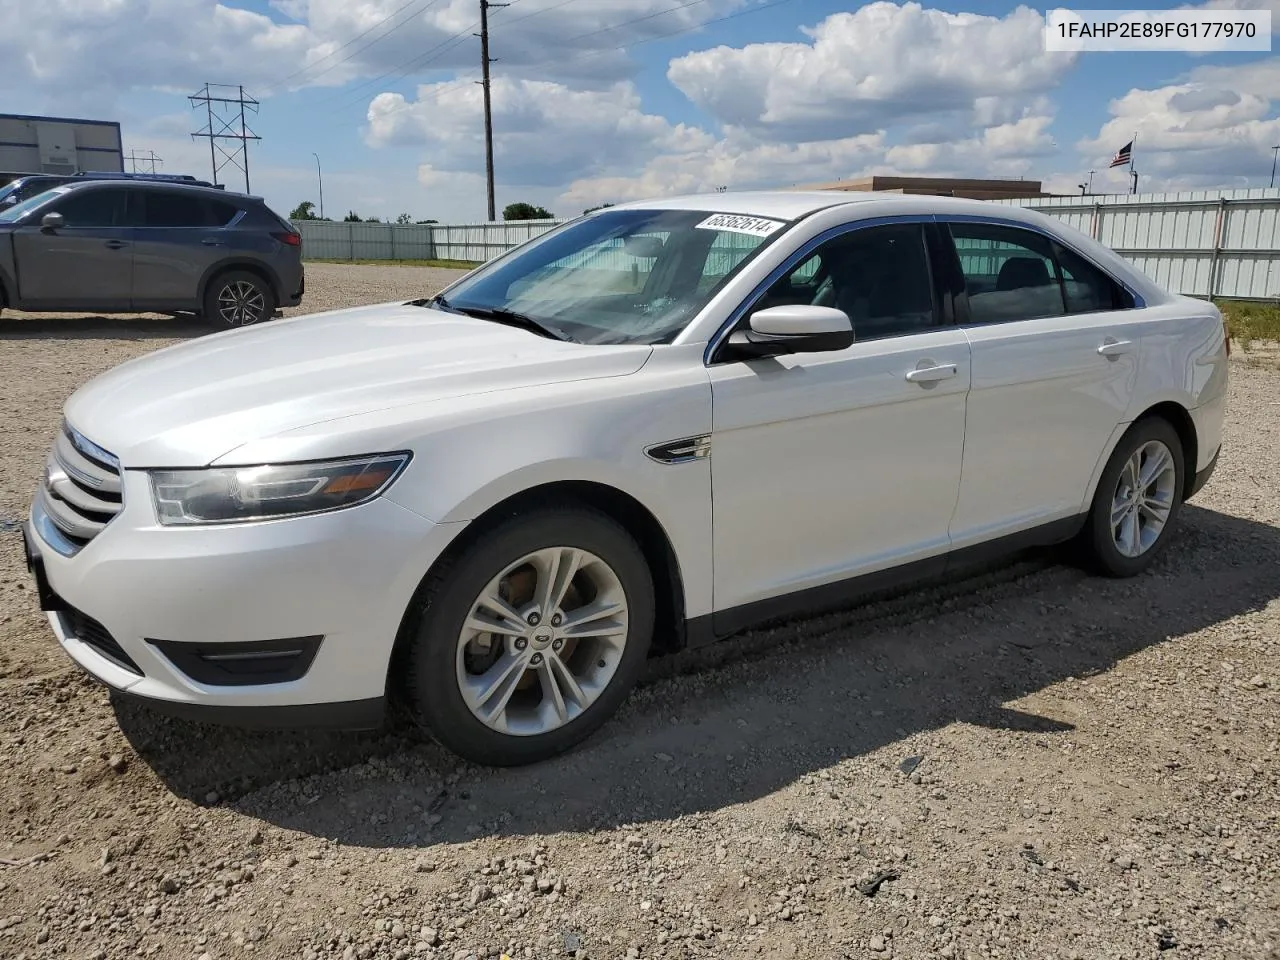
504,316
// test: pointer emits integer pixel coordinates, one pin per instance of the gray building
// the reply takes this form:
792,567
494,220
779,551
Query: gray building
61,145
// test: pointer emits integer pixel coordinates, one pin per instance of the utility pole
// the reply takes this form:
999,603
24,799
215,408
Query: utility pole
1275,152
226,122
485,60
321,181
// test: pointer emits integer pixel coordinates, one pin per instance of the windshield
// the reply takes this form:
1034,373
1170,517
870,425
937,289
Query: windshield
624,276
18,210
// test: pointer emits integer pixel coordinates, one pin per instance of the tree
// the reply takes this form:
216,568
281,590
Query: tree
372,220
594,209
403,219
306,210
526,211
352,217
426,221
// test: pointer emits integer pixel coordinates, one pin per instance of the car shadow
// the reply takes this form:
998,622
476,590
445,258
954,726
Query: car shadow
26,326
749,716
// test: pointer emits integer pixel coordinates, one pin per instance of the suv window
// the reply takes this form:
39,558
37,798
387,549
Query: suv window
91,208
171,208
879,276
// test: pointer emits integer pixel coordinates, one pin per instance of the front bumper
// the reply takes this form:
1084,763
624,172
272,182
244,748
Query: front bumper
345,577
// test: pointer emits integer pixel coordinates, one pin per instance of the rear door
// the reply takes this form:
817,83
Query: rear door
1055,345
178,235
85,264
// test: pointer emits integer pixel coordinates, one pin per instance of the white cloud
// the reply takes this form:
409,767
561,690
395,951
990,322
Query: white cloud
1272,5
1215,127
550,134
82,55
868,69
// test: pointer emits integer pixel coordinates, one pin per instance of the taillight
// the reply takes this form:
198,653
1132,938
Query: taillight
292,239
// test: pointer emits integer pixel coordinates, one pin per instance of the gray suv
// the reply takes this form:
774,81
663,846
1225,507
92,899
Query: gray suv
131,247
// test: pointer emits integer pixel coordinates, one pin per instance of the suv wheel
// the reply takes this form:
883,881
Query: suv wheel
1137,500
532,638
238,299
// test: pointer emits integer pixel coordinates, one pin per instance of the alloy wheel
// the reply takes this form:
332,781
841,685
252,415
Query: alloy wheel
1144,498
240,303
542,641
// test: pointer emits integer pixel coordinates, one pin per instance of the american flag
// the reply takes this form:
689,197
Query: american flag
1123,155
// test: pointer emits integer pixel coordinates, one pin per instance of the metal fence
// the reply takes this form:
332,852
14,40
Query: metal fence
1220,243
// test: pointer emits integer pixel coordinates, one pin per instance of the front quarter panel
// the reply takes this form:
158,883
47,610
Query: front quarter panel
474,452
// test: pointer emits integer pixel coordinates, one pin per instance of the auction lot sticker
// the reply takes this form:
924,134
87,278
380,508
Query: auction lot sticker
1140,30
733,223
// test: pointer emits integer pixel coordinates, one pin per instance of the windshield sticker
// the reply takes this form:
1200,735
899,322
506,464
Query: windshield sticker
733,223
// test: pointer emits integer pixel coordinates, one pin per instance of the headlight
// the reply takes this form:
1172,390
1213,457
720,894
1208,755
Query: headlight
233,494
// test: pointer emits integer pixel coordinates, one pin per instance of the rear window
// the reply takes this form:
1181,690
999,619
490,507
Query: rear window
170,208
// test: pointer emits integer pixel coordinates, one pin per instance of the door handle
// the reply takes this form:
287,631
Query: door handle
116,244
1112,347
211,242
940,371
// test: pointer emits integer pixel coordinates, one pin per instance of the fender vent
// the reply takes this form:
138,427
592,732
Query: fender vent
680,451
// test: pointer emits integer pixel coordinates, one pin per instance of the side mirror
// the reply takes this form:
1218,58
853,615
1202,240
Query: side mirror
798,328
52,222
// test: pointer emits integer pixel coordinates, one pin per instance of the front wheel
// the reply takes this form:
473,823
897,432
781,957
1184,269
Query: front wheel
1137,500
238,299
531,638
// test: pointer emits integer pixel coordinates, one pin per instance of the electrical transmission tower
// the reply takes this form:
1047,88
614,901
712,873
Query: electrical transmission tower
227,132
150,160
485,60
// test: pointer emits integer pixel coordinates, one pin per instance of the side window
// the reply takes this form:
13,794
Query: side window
1087,288
1009,274
92,208
166,208
878,276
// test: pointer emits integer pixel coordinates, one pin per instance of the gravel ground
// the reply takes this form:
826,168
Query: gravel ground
1030,763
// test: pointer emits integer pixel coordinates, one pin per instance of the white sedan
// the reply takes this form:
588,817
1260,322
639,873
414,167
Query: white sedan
651,427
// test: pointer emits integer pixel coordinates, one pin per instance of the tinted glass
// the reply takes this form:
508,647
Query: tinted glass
170,208
1086,287
1009,274
878,276
91,208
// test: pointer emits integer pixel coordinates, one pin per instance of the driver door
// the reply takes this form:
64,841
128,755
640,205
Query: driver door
85,264
828,466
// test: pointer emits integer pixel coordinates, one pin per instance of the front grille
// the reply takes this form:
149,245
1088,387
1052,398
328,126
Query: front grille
89,631
81,492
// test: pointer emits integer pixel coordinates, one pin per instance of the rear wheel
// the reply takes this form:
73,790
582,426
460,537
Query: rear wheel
1137,500
239,299
532,638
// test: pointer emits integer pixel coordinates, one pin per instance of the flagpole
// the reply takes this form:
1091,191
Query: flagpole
1133,148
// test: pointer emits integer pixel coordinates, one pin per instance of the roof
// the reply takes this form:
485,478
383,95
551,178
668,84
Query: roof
178,185
794,204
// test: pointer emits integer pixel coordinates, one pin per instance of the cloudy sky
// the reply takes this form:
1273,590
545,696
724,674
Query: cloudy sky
608,100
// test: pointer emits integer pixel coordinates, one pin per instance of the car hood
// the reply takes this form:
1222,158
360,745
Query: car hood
189,404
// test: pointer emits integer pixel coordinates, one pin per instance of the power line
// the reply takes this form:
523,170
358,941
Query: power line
586,54
355,53
403,70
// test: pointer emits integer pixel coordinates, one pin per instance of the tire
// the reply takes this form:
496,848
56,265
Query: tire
531,723
238,298
1110,550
